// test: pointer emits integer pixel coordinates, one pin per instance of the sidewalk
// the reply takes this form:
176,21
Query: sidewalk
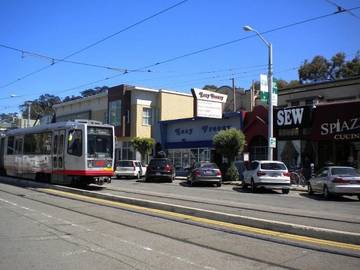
239,183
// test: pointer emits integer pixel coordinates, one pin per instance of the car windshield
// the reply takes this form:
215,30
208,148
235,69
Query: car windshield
209,166
273,166
125,163
344,171
100,142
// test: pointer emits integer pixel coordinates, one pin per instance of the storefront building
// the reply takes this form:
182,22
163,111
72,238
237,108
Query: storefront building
190,139
336,129
292,129
322,134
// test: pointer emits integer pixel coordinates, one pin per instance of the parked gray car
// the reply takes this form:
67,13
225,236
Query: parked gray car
205,172
336,180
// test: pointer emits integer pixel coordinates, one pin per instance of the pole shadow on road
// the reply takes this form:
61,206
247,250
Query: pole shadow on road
320,197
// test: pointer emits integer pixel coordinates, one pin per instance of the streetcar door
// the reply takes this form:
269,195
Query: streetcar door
58,162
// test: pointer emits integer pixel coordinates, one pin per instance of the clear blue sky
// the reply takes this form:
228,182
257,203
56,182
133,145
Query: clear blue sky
59,28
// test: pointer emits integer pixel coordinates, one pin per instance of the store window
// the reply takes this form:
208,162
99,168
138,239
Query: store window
147,116
127,151
115,113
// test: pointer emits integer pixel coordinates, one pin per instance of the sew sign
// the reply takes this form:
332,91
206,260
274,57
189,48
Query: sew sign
292,117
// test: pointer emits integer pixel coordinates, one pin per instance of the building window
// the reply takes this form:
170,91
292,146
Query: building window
115,112
127,151
147,116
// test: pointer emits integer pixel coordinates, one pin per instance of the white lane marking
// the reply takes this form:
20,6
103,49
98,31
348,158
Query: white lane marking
178,258
165,254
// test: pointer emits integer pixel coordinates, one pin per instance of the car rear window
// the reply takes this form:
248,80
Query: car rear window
344,171
125,163
209,166
273,166
159,162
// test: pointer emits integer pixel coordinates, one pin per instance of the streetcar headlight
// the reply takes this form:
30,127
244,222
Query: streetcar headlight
90,164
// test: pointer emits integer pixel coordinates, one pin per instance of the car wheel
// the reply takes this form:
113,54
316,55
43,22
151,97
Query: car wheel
253,187
138,176
190,184
285,191
326,193
218,184
310,190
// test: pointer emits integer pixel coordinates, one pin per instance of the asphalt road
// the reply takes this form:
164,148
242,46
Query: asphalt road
43,231
297,207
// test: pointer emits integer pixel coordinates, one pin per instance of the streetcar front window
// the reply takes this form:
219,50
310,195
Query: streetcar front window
100,142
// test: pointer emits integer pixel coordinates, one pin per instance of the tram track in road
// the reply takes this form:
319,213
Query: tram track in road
311,244
272,223
236,206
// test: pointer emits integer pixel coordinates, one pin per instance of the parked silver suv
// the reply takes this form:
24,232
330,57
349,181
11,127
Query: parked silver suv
267,174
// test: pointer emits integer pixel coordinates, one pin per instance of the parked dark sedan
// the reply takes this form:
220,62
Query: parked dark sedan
205,172
160,168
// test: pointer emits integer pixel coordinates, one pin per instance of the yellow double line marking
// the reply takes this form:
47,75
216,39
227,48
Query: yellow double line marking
232,226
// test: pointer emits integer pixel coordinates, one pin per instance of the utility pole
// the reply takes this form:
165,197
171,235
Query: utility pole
234,94
29,111
252,96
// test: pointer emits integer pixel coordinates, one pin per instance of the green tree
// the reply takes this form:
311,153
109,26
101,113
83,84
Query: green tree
40,107
351,68
321,69
229,143
143,146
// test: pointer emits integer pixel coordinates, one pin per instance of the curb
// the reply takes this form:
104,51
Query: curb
282,227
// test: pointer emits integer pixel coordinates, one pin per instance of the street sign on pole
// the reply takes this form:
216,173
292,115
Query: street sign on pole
264,93
272,142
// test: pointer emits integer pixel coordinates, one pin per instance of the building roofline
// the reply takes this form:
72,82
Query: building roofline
105,93
322,85
161,91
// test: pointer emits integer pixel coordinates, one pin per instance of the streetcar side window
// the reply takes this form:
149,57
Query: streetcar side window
75,142
10,146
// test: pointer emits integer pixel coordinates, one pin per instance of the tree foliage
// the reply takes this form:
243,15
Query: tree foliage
321,69
229,143
40,107
143,145
93,91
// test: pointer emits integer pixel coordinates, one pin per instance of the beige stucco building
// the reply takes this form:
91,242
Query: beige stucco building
134,111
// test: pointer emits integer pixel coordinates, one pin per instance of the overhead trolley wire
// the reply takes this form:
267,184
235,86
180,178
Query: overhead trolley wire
95,43
222,44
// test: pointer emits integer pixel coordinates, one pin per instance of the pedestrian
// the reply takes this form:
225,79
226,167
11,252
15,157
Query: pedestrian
307,168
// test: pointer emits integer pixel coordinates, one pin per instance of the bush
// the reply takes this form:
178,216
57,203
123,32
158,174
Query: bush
231,173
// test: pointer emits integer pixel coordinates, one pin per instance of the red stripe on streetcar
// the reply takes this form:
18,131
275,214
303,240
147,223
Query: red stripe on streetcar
84,173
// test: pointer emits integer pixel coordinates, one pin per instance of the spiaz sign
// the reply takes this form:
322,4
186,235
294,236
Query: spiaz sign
292,117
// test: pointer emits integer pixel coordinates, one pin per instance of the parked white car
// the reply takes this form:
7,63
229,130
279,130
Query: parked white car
130,168
267,174
336,180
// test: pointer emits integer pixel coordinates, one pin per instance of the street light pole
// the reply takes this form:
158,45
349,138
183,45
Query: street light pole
270,82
